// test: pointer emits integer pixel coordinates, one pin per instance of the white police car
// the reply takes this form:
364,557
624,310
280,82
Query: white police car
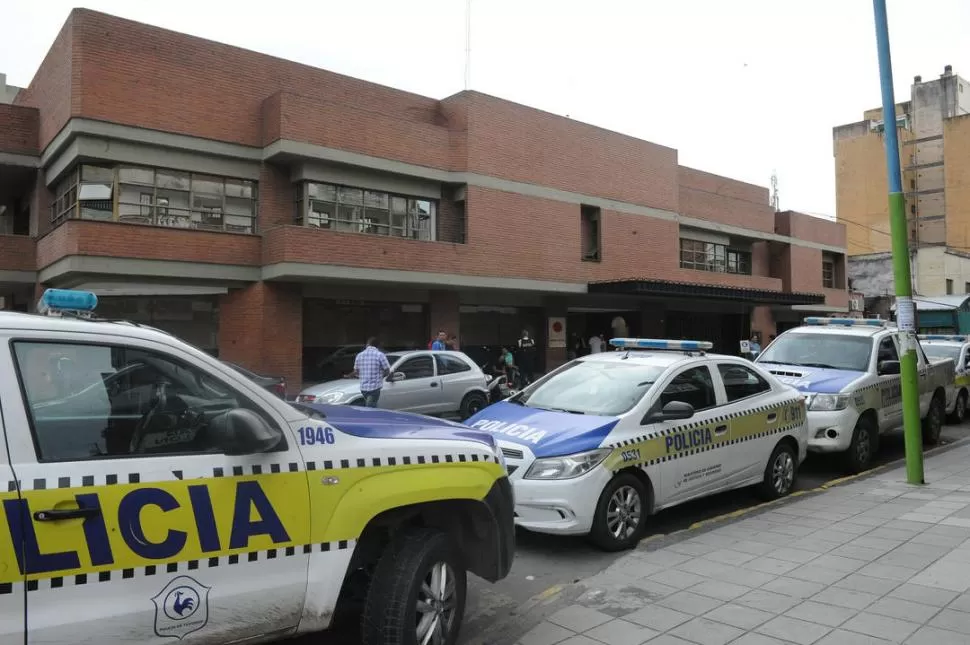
849,370
151,493
599,444
954,347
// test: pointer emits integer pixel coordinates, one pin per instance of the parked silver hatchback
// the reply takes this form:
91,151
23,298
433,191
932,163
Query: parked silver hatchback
425,382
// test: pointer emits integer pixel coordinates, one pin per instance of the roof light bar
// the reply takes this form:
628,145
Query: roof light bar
846,322
947,337
56,302
654,343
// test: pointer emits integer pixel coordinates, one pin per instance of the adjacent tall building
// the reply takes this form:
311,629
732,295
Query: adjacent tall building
934,135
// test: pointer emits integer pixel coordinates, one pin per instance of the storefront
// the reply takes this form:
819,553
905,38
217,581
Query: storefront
194,319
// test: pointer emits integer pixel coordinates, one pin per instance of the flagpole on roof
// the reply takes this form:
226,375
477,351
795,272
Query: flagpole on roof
468,44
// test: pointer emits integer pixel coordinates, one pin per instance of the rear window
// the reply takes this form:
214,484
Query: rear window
593,387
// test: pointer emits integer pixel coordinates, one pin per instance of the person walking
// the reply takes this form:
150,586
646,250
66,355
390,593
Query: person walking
371,367
527,357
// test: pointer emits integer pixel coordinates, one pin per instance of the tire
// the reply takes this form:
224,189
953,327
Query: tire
401,582
960,409
780,473
933,422
864,441
629,523
472,404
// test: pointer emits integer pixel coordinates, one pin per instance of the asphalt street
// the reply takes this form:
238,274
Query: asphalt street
544,562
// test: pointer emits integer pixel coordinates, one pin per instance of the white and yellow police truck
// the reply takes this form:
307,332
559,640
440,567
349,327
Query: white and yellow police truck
955,348
596,446
152,494
848,368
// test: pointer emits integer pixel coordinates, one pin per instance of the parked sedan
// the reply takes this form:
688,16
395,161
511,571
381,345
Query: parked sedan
420,381
275,384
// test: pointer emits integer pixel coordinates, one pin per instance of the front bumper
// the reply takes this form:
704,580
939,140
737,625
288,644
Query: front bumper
831,431
562,507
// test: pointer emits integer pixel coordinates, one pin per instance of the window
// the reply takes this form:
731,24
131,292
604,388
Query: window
590,219
966,287
912,209
708,256
450,365
949,287
171,198
355,210
93,401
828,274
824,351
694,386
912,184
887,350
740,382
417,367
591,387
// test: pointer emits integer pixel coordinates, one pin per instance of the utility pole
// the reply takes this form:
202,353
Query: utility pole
905,309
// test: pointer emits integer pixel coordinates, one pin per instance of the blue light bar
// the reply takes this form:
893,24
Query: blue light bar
653,343
846,322
951,338
58,300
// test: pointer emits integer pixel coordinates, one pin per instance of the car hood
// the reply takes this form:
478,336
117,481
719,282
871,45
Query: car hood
546,433
813,379
374,423
335,392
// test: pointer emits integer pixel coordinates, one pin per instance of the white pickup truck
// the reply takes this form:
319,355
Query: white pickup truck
848,369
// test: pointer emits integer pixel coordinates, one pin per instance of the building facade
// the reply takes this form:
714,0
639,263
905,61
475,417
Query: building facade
934,135
276,215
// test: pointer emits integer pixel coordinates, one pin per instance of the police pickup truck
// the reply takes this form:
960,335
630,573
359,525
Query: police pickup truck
150,493
848,369
955,348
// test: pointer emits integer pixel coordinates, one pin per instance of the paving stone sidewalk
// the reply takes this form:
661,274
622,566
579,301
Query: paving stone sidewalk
871,562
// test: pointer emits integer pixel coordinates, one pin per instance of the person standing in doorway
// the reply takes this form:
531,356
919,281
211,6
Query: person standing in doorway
527,357
371,367
596,343
755,345
440,343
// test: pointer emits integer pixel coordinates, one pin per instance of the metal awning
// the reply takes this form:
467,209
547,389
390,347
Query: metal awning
664,288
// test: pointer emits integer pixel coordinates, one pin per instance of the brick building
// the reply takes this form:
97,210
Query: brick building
273,213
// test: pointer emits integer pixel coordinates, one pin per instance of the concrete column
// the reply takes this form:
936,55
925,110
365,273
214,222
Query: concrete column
554,356
444,314
261,328
763,322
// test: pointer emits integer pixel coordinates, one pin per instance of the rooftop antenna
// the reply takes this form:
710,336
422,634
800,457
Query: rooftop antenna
775,202
468,44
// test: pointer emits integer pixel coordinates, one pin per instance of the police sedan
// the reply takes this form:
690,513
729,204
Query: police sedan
599,444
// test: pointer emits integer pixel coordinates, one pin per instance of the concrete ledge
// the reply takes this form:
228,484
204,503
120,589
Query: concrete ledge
18,277
19,160
78,266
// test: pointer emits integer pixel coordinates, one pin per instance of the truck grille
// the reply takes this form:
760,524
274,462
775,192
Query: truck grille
511,453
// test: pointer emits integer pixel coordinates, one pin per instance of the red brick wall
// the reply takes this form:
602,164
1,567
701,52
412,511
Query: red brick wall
810,228
261,328
19,127
715,198
76,237
51,89
17,253
277,197
763,322
805,265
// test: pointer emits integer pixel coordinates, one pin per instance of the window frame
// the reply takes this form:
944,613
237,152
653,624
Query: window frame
440,358
761,379
253,404
892,343
658,402
828,273
407,359
711,257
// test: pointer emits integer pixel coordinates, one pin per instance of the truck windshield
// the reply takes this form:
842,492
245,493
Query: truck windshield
592,387
827,351
942,351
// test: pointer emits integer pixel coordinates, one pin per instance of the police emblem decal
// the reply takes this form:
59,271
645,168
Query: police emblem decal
181,608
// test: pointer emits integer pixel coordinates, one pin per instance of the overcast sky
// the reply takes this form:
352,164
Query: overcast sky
740,88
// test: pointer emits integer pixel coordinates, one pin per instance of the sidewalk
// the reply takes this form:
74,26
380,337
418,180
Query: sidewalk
870,562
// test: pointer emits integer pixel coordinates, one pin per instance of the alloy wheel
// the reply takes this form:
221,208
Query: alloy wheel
623,513
783,472
436,604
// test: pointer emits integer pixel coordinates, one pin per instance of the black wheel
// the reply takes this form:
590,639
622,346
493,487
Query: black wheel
472,404
864,441
417,594
933,423
959,414
621,514
780,473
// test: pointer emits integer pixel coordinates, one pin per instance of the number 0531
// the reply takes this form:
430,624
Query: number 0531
312,436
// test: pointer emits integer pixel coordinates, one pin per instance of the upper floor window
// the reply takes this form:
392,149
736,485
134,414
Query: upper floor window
828,274
590,220
357,210
708,256
160,197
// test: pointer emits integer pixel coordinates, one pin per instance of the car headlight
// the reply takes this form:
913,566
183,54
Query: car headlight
330,397
567,467
828,402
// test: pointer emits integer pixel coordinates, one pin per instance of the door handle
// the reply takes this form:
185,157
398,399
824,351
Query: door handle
434,384
772,417
720,430
58,514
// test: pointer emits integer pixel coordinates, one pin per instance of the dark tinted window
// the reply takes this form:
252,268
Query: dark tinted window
417,367
887,350
694,386
740,382
450,364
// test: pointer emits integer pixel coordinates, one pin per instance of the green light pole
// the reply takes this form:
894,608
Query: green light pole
905,309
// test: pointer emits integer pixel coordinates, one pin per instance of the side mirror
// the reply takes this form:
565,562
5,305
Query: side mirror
673,411
887,368
397,376
243,432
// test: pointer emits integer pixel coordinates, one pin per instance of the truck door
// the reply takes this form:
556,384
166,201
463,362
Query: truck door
134,526
13,594
890,411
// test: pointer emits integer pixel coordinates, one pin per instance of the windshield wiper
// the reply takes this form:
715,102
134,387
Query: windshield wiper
537,407
777,363
821,366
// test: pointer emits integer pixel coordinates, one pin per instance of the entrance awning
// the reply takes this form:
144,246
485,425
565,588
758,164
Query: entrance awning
664,288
